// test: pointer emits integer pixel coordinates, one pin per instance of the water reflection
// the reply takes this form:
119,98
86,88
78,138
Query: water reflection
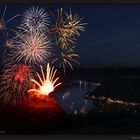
72,99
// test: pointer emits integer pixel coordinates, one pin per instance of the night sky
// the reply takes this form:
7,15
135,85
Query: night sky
111,38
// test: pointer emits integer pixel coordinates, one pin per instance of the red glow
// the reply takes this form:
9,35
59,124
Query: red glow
43,108
42,102
19,77
21,72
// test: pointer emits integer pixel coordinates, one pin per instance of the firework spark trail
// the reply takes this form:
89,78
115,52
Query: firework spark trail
66,27
59,30
73,22
47,83
32,49
35,19
65,58
3,23
4,28
15,81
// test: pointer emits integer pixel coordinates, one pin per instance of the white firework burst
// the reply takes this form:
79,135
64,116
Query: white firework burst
35,19
33,48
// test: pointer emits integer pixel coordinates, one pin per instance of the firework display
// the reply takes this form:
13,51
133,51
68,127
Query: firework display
33,48
65,57
3,23
15,82
47,82
35,19
4,29
40,39
55,79
66,27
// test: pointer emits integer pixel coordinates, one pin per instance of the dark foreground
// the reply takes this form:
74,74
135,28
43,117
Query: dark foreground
41,121
39,117
53,120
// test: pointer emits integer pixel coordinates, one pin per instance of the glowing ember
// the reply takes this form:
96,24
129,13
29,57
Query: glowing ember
47,83
2,25
8,43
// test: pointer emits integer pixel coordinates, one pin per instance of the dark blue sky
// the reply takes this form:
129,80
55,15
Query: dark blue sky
111,38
